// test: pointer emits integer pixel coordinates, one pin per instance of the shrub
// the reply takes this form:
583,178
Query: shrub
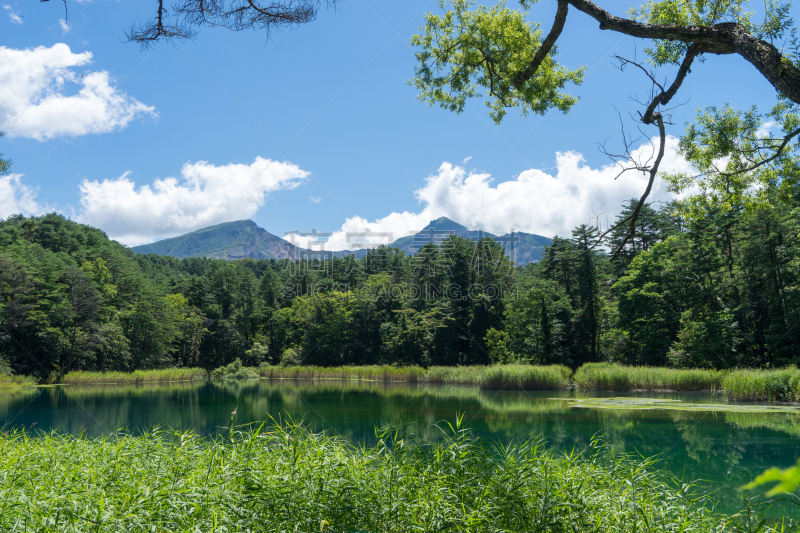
290,357
235,370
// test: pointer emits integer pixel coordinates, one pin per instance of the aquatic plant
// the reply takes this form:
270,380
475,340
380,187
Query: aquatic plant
781,385
8,382
525,377
366,372
630,404
282,477
613,377
164,374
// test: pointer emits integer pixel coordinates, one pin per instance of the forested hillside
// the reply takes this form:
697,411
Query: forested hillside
717,292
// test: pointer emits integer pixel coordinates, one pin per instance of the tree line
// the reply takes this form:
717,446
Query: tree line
716,291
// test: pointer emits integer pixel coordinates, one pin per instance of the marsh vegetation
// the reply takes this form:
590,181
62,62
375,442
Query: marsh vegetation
283,477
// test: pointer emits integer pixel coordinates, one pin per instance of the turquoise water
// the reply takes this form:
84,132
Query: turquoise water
722,450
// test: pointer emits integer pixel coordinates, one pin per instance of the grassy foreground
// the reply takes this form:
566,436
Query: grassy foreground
285,478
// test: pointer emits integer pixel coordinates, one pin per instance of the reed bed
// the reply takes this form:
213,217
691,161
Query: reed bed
613,377
744,385
454,375
286,478
9,382
781,385
509,377
365,373
525,377
137,376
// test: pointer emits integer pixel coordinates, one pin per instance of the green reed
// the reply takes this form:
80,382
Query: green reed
282,477
613,377
8,382
510,377
137,376
525,377
367,372
781,385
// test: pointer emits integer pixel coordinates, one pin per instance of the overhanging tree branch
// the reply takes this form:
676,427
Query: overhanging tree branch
723,38
547,44
190,15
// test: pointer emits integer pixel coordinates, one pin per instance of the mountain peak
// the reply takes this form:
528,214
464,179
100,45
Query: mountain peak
230,240
444,224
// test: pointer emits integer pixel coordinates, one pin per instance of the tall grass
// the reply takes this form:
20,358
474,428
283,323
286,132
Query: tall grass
366,373
511,377
285,478
612,377
771,385
781,385
8,382
138,376
525,377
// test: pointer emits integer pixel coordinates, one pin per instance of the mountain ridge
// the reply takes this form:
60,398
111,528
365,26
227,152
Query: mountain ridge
245,239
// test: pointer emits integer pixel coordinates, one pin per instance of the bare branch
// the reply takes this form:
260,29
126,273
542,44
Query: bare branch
653,171
190,15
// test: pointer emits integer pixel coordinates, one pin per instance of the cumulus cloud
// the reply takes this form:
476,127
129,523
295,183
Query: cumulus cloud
16,198
545,203
13,15
204,195
34,102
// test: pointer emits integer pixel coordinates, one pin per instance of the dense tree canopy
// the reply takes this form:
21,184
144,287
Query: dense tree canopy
471,50
715,291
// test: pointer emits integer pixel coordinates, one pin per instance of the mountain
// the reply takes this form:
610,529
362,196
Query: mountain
243,238
527,247
230,240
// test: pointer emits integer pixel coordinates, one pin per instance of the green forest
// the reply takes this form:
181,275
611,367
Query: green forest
715,291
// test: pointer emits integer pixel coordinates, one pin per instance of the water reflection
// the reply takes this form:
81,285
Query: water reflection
726,449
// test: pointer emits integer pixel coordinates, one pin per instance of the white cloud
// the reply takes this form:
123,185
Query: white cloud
34,103
16,198
315,199
538,202
766,129
204,195
13,15
64,26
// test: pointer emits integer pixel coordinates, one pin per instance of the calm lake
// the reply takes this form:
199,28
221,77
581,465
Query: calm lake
726,450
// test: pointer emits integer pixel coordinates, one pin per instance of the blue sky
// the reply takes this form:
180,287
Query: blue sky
328,104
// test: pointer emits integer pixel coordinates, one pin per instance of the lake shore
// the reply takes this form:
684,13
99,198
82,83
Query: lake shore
775,385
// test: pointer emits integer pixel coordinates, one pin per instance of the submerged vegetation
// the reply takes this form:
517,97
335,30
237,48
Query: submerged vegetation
285,478
629,404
